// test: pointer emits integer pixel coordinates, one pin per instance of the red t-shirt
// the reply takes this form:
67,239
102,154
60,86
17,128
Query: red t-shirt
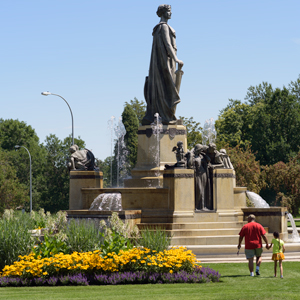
252,232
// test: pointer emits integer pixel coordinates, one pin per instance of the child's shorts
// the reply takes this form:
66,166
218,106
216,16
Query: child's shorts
278,256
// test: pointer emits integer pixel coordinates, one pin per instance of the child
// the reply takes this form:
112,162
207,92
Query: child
278,251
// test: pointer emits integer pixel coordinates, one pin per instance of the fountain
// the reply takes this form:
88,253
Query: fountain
209,133
107,202
294,237
257,200
157,129
111,126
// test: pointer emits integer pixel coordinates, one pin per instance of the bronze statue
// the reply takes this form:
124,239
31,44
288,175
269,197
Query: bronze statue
162,85
203,196
81,160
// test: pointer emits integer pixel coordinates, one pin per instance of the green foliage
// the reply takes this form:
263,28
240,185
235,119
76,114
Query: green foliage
139,108
284,179
55,193
131,124
247,168
83,236
193,128
154,239
50,246
13,194
15,132
114,242
105,167
15,238
270,122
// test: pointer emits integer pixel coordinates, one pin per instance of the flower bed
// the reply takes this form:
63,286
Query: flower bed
198,275
137,265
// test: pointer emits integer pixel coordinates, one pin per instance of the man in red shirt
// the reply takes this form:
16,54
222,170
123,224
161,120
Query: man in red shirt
253,232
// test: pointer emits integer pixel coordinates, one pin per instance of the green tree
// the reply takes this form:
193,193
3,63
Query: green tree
131,124
194,129
247,168
55,195
105,167
284,179
12,193
139,108
269,123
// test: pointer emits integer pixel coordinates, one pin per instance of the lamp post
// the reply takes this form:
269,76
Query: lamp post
18,147
48,93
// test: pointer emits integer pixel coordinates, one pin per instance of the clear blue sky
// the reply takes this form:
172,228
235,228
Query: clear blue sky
96,55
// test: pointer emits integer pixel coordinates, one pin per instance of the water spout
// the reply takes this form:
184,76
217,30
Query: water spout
294,238
107,202
257,200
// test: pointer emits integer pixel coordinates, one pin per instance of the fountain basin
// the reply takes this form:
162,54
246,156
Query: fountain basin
274,218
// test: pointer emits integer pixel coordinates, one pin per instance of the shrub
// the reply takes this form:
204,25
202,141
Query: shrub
15,238
154,239
83,236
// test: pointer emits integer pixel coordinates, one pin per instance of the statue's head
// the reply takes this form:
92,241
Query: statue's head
211,148
180,144
198,148
73,148
162,9
223,151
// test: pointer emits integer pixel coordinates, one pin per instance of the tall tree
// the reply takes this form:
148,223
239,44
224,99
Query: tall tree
194,129
270,123
12,193
131,124
139,108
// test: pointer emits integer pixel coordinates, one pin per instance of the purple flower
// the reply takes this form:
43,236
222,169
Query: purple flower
52,281
4,281
39,281
14,281
78,279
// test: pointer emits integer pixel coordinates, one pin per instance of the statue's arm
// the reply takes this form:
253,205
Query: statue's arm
168,44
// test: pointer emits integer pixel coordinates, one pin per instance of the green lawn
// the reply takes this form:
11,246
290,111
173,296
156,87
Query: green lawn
235,284
297,223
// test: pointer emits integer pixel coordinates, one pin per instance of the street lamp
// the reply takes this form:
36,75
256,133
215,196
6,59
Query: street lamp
18,147
48,93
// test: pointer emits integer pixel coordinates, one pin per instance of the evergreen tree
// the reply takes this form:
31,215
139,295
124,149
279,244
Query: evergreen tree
131,124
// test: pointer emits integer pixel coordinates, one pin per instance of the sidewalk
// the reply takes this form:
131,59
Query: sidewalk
241,258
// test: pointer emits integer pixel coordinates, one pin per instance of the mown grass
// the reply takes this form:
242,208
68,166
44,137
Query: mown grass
297,223
235,284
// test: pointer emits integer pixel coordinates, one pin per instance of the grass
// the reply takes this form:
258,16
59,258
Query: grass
235,284
297,223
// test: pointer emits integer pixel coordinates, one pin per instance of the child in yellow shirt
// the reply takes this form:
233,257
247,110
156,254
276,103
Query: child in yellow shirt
278,251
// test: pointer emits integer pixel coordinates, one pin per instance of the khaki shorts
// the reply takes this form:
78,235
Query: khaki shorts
253,252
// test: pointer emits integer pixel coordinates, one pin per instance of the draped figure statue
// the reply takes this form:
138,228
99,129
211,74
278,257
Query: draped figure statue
162,85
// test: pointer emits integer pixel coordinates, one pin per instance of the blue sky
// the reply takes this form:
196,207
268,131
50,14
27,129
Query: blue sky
96,55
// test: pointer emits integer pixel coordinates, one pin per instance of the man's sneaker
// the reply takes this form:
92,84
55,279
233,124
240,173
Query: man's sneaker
257,272
251,274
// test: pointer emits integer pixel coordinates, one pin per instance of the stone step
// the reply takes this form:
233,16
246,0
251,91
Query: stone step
209,240
204,240
205,232
230,251
194,225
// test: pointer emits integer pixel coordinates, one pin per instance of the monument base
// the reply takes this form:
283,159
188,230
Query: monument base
154,152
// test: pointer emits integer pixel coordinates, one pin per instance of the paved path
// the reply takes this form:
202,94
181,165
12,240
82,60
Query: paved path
241,258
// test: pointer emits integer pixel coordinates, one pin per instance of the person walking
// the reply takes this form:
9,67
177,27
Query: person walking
253,232
278,251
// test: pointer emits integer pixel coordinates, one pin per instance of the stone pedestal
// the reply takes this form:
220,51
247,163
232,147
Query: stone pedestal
224,182
154,152
82,179
181,185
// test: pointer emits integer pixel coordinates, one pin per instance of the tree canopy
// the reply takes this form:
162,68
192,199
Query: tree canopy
269,121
